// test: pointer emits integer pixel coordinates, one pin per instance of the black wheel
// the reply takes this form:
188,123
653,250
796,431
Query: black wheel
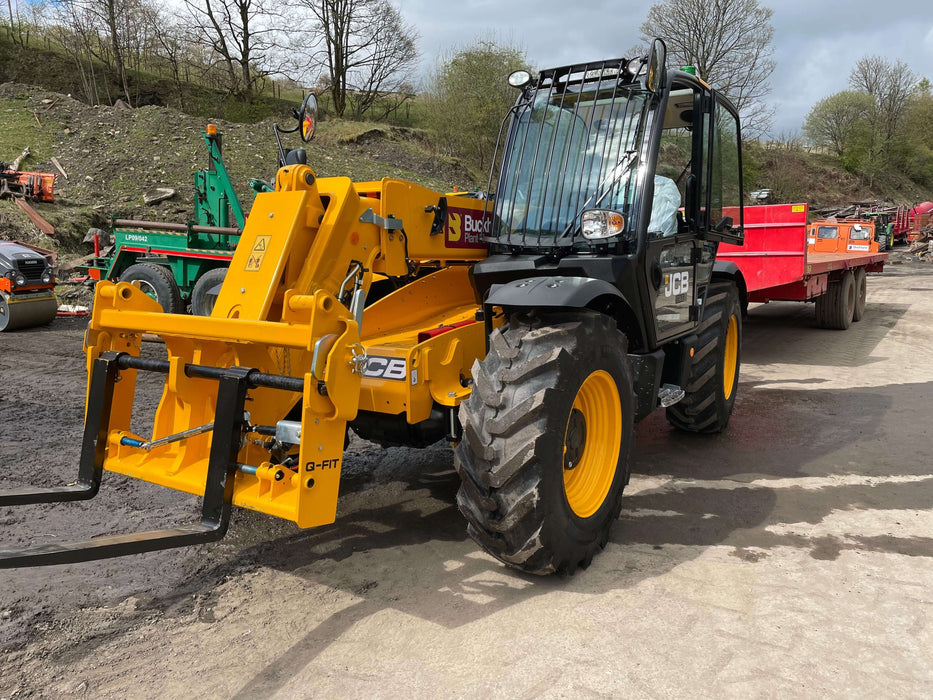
882,239
714,368
158,283
861,294
204,294
547,437
835,308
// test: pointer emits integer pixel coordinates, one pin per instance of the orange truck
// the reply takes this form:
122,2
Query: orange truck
842,236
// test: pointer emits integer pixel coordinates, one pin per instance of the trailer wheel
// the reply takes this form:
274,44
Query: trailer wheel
835,308
157,282
547,436
861,294
203,296
714,370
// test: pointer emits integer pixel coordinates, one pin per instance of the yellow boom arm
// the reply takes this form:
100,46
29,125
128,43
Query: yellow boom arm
292,306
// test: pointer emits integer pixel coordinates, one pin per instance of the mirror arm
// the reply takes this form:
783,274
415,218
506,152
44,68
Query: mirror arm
278,141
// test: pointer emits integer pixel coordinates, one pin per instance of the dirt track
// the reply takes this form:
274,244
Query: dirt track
792,554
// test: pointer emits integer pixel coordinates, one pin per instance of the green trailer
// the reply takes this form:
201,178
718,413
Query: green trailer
180,264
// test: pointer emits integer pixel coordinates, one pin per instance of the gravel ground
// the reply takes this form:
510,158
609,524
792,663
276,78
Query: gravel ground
793,554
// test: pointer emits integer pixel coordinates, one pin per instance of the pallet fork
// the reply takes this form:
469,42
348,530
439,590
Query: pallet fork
233,384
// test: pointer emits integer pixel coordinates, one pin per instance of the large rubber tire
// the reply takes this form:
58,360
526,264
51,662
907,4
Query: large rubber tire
835,308
861,294
158,283
547,437
713,377
202,296
882,239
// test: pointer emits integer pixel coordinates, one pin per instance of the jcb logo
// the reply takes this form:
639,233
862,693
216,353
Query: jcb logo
676,283
385,368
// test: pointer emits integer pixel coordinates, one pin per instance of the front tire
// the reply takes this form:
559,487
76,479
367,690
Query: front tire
713,378
547,436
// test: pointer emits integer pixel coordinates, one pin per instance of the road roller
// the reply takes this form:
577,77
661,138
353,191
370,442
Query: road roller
27,288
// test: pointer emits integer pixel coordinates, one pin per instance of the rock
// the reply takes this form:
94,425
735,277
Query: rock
91,232
159,194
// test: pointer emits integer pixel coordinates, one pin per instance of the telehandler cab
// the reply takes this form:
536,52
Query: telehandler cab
531,329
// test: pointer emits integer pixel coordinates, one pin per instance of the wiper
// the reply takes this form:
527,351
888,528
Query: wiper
622,167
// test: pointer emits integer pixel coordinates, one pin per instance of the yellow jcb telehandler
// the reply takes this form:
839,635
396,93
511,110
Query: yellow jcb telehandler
531,328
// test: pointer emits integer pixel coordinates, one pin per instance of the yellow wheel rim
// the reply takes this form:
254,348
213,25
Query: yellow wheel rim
592,441
731,359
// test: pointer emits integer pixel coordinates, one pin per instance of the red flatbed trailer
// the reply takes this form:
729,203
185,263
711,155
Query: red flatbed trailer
777,266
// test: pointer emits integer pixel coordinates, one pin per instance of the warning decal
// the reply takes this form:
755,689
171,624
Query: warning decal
254,262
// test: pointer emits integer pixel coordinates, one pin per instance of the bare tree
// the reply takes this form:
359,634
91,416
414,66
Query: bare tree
171,47
730,44
239,34
365,47
73,28
16,24
890,84
115,32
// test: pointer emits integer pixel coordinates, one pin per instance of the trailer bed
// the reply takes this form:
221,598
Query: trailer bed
775,262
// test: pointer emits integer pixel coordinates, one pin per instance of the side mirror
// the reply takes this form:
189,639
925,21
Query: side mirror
657,66
308,117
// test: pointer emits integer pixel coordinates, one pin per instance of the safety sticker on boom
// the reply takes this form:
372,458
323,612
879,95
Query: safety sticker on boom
465,228
254,262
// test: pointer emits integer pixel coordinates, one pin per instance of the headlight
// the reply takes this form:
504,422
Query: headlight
19,279
519,78
602,223
47,277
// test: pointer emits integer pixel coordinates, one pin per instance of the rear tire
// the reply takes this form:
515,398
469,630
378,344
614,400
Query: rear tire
202,297
714,370
835,308
861,294
156,282
547,436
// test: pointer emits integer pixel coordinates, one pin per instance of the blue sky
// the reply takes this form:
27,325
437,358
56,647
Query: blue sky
816,43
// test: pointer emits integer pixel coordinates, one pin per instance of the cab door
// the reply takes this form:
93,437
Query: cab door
672,246
680,260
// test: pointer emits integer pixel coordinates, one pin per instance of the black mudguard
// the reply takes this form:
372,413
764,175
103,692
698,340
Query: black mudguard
550,292
726,269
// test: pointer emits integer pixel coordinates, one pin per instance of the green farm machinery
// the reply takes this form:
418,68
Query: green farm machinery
180,264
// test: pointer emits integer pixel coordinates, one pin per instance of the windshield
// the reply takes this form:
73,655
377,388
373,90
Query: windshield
573,147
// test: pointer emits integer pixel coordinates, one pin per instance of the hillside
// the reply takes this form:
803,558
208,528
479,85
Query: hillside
113,155
794,173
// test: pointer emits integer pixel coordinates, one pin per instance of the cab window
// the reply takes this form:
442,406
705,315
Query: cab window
827,232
